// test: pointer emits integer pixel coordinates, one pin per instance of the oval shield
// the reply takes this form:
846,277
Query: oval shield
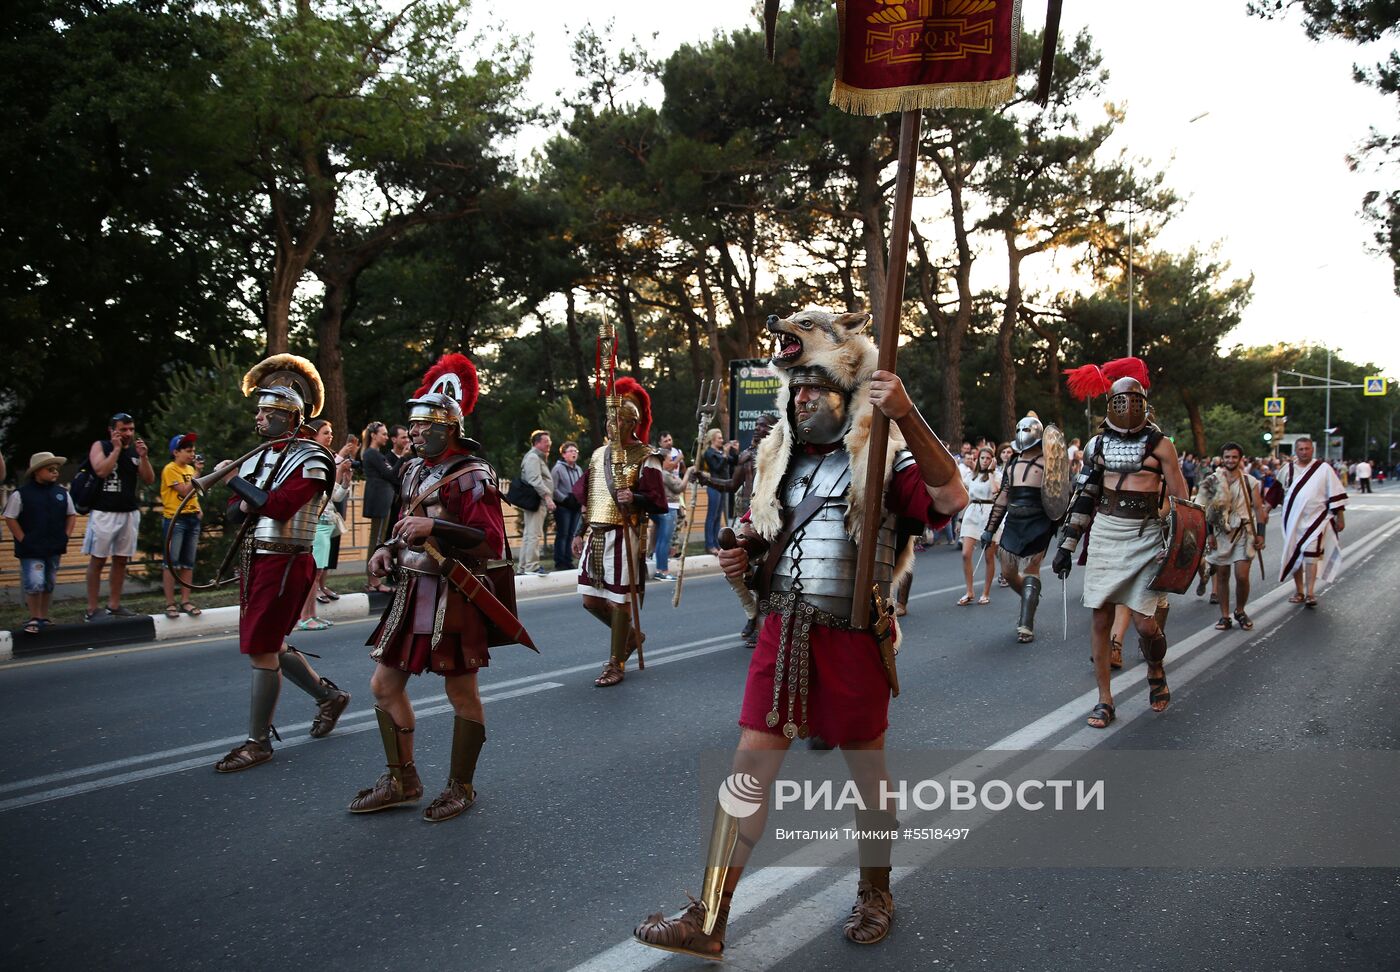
1055,490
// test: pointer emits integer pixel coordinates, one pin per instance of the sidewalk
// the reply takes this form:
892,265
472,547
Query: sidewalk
223,620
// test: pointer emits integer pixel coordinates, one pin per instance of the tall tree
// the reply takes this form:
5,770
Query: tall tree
1362,22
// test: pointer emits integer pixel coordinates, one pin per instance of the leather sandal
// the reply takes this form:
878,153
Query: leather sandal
388,792
871,917
1224,624
1243,620
1103,714
245,756
1158,692
191,608
612,674
685,933
453,801
1115,653
328,710
171,611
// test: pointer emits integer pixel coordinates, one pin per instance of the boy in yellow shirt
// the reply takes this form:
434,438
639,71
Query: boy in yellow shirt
181,532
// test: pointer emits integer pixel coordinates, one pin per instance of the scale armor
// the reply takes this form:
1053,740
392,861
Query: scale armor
602,508
1124,453
314,463
819,564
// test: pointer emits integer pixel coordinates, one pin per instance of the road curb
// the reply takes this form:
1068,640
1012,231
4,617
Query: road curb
157,627
217,620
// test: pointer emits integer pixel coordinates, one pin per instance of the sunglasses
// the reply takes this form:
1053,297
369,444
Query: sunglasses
120,417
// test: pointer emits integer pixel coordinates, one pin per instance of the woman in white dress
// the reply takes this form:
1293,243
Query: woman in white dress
982,489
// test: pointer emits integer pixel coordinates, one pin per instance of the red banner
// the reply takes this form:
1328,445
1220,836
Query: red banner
896,55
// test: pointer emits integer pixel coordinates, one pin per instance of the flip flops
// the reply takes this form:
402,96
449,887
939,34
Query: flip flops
965,600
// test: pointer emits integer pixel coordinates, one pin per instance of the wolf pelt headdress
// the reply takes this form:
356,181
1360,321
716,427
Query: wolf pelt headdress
836,343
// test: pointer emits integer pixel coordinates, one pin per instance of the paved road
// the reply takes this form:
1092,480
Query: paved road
123,848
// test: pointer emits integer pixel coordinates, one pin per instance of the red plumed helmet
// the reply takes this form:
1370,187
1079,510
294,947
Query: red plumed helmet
1091,381
1127,368
631,389
453,375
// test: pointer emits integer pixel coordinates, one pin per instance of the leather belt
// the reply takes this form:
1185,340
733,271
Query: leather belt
783,600
978,502
1128,504
276,546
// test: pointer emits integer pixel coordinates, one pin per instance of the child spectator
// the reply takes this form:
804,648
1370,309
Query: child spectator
181,532
40,516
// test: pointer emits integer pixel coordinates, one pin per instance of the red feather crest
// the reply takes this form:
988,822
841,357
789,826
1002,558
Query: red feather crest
1087,382
631,388
1127,368
455,375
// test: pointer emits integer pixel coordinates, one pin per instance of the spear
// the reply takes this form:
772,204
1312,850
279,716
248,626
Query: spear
910,124
704,414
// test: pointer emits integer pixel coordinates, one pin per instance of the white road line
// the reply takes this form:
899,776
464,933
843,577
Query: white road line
815,914
44,796
432,703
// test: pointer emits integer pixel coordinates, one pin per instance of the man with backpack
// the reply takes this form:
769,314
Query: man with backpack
116,463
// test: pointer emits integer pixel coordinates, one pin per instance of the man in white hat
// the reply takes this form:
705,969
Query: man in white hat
40,516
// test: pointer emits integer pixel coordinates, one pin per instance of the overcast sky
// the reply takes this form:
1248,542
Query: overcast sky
1264,172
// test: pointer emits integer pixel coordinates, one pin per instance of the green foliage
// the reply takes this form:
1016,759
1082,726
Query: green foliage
1226,423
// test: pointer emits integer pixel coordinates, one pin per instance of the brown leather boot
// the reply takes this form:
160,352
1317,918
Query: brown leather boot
686,932
467,739
329,709
245,756
454,801
400,784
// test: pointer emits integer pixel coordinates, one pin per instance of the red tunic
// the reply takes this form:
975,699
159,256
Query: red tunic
277,584
462,649
848,697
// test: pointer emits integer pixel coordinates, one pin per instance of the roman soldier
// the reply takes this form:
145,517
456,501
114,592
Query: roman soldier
623,484
1130,469
447,532
1030,525
281,489
811,675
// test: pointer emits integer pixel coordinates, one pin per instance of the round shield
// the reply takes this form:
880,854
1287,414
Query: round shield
1055,490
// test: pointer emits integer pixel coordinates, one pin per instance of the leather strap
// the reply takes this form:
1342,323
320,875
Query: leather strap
469,464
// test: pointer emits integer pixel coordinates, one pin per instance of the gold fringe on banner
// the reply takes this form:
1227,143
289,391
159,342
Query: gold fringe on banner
881,101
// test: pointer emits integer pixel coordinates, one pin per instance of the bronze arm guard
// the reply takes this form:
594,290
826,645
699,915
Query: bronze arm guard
1081,509
936,464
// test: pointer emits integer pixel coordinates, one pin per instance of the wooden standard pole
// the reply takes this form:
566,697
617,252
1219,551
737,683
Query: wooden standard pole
910,124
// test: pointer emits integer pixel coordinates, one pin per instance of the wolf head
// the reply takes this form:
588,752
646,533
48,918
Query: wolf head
834,342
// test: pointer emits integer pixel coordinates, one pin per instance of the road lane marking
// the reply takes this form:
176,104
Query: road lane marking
813,914
426,706
288,741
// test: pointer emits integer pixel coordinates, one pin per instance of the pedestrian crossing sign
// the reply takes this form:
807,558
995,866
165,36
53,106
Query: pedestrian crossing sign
1375,385
1273,407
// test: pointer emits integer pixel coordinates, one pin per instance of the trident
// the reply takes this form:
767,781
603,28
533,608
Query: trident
704,414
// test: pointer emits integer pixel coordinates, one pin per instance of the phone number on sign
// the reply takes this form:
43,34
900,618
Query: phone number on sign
935,833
